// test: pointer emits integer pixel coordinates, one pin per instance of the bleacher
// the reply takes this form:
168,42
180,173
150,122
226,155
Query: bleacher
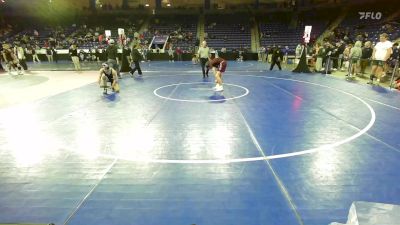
178,28
355,25
281,32
228,34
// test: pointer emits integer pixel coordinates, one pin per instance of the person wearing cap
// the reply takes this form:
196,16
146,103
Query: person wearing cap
219,66
107,74
112,56
204,54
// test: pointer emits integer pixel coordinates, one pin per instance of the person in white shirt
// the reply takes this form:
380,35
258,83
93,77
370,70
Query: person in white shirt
204,54
381,53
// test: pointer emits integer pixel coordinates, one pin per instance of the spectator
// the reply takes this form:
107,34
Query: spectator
285,54
355,55
49,54
135,57
260,51
380,55
73,52
112,56
298,54
179,53
394,58
55,55
34,54
320,53
346,55
126,59
1,58
365,57
171,54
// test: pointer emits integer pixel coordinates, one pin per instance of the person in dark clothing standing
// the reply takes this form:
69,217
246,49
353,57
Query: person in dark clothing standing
126,59
327,61
55,55
277,57
1,58
395,55
340,50
112,56
136,57
365,57
335,56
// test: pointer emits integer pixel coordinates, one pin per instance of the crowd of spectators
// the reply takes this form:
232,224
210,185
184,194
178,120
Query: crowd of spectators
352,50
338,45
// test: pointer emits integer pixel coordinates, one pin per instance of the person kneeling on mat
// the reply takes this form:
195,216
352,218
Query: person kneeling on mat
219,66
107,74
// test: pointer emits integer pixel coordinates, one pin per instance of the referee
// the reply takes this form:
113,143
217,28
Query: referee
204,54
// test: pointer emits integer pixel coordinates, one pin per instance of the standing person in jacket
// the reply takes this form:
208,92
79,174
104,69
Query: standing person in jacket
1,58
112,56
365,57
394,58
277,57
136,57
55,55
126,59
354,57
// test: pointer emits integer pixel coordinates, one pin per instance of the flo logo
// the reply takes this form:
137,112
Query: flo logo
370,15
